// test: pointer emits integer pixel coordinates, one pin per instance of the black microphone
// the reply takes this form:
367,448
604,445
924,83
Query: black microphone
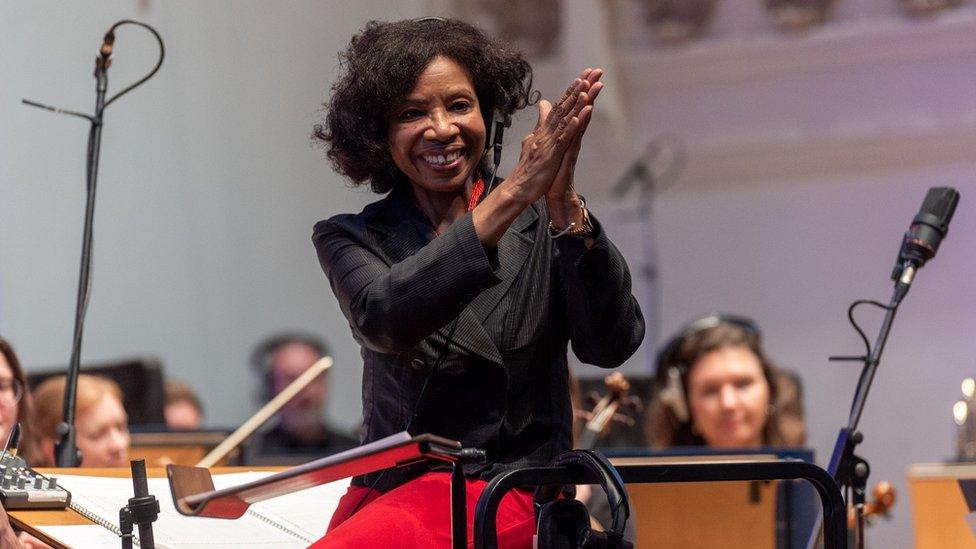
502,121
923,237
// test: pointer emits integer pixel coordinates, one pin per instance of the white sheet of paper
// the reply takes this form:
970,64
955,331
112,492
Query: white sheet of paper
83,535
306,513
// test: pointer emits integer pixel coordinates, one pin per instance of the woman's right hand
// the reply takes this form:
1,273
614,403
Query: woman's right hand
542,155
543,149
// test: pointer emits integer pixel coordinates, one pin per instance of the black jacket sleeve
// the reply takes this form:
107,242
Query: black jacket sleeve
605,320
392,307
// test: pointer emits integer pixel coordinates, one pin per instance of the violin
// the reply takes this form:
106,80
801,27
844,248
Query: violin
882,500
615,406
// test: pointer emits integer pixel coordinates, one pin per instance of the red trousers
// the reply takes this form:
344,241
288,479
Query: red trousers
418,514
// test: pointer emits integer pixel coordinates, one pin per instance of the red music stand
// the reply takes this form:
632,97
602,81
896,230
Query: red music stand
194,494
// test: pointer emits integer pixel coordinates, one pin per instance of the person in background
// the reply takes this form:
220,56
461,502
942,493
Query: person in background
16,404
182,409
301,430
101,423
716,387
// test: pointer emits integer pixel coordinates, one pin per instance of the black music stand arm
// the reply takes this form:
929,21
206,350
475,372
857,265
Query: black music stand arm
143,508
459,510
835,517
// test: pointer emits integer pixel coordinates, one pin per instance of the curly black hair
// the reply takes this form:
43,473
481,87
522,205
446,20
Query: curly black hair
381,66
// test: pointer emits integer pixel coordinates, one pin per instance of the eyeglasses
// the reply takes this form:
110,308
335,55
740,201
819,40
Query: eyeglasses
11,390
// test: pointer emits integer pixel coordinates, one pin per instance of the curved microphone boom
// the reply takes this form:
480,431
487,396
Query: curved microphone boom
66,450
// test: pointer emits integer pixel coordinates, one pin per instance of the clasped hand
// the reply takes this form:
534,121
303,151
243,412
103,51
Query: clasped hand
550,151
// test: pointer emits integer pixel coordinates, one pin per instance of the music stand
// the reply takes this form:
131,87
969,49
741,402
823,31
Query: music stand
194,494
833,504
796,513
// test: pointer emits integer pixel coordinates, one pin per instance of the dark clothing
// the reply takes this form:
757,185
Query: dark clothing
502,385
280,443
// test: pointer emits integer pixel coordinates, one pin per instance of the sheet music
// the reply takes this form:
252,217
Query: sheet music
307,512
304,514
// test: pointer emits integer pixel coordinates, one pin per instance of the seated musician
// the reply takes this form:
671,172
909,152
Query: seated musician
16,403
715,386
182,409
102,426
101,423
301,432
462,289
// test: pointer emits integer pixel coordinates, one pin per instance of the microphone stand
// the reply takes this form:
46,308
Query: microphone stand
66,452
649,181
142,510
850,470
919,245
640,176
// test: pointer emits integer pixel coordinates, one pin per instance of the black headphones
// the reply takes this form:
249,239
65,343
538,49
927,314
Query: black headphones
670,371
565,522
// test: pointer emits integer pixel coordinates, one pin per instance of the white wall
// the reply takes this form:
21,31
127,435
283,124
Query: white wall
207,194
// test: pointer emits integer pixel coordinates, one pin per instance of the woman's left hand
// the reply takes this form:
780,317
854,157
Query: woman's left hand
561,198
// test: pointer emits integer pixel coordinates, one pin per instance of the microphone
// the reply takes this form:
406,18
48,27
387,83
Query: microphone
923,237
104,59
502,121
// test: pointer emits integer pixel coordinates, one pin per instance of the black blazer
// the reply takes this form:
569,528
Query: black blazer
502,384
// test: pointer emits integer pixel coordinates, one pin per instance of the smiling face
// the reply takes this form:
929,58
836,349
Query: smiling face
437,134
729,398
